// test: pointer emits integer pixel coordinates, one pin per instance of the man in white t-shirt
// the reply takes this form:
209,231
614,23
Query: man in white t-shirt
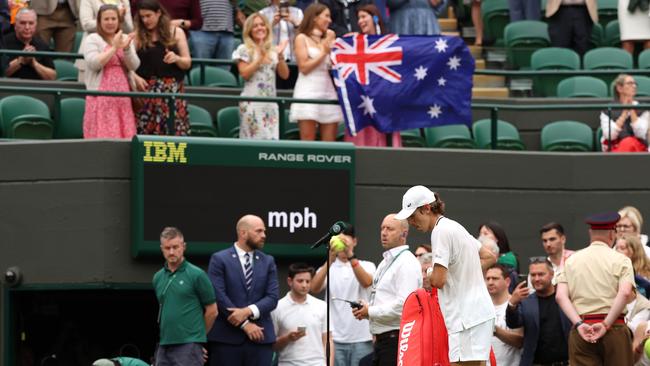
350,279
506,342
397,276
300,322
457,257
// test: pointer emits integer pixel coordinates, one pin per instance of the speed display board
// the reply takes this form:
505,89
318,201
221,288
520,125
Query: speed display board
204,185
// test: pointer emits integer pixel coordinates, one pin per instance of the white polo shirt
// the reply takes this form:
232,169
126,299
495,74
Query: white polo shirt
464,300
344,285
311,314
397,276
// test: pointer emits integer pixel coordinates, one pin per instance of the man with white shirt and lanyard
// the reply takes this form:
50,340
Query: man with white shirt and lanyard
464,300
396,277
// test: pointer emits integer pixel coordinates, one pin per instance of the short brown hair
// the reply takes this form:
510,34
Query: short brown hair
170,232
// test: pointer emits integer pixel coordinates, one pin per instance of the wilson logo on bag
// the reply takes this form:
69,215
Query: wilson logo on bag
423,339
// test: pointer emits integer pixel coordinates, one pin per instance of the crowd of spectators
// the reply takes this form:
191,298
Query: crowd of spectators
300,32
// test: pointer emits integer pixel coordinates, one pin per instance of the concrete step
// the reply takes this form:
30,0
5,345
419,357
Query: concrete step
476,51
448,24
480,63
489,81
451,34
497,93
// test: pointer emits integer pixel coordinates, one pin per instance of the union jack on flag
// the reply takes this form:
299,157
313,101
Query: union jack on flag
396,83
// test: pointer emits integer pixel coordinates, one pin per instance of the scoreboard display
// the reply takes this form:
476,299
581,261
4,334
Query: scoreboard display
204,185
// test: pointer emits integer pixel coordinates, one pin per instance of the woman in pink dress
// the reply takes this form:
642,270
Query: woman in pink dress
109,56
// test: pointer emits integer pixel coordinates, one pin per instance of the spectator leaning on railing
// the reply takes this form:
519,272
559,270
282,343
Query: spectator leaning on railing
26,67
109,55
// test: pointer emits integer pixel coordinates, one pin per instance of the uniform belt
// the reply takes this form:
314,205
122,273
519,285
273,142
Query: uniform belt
598,318
556,363
389,334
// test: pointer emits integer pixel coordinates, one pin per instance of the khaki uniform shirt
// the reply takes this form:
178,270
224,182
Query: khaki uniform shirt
593,276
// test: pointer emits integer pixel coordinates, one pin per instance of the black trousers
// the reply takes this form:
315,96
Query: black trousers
385,349
570,27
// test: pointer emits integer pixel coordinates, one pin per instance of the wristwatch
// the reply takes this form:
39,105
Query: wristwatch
578,323
352,257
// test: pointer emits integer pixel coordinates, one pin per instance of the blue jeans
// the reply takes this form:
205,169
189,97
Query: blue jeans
217,45
349,354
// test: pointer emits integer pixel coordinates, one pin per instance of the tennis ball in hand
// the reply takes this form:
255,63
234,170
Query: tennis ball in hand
337,244
646,348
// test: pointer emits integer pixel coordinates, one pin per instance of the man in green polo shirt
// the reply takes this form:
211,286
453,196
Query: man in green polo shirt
187,305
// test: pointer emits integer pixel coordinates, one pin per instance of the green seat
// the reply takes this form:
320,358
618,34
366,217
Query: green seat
644,59
567,136
496,15
200,122
25,117
449,137
607,11
507,135
214,76
228,122
65,70
77,41
70,124
582,87
607,58
597,38
291,130
522,38
612,34
412,138
552,58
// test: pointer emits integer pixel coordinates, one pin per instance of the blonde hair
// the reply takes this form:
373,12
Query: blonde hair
248,28
640,261
634,215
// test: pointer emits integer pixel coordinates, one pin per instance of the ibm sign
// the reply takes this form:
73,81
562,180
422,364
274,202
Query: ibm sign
204,185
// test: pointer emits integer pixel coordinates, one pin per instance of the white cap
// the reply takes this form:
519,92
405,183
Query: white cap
103,362
416,196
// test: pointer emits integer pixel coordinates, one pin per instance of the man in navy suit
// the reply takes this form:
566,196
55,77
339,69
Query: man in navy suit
246,285
546,328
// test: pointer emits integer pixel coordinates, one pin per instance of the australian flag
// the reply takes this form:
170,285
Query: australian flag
395,82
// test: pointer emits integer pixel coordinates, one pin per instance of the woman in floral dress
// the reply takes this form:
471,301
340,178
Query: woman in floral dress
109,55
165,56
258,63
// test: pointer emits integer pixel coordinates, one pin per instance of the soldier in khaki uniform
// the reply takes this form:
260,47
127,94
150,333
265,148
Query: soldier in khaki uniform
593,289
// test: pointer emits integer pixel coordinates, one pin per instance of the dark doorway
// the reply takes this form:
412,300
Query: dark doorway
76,327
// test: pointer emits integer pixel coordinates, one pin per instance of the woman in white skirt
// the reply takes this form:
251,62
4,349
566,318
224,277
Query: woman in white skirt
634,24
312,49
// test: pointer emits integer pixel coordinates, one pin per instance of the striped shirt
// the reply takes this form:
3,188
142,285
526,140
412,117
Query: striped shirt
217,15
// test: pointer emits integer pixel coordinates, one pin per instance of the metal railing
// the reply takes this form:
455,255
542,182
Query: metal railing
282,102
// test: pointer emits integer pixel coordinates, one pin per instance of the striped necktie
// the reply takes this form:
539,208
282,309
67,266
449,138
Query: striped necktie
248,271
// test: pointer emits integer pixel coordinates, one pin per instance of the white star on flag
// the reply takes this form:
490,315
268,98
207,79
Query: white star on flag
366,104
441,45
453,62
434,111
442,81
421,72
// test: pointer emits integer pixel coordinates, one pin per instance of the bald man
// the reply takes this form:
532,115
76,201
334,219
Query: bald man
246,285
396,277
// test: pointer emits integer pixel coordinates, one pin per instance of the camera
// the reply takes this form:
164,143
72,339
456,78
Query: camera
13,276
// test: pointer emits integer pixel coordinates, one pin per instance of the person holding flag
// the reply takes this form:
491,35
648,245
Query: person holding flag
370,23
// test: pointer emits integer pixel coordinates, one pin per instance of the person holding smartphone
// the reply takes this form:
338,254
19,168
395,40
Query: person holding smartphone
300,322
546,328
